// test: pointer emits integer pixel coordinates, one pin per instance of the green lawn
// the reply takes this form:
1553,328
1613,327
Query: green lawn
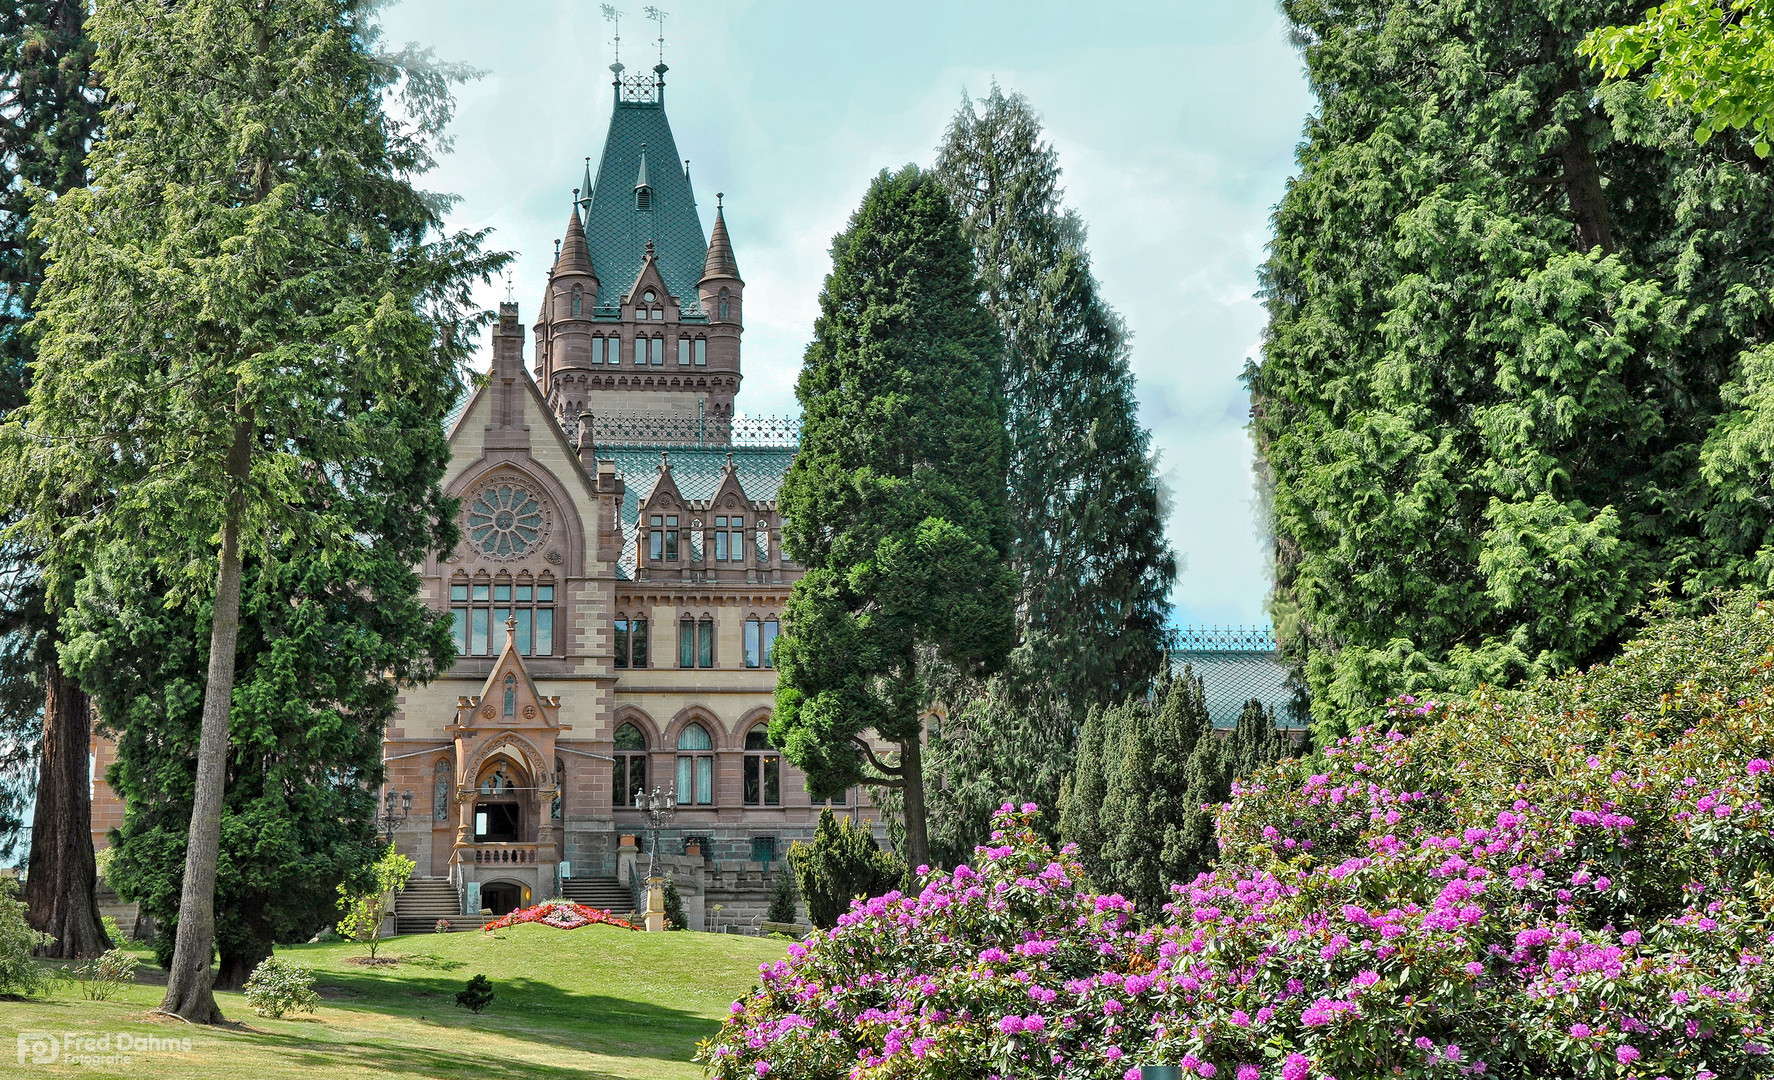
594,1002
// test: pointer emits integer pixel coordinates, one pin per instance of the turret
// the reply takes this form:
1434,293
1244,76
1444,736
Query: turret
572,298
723,295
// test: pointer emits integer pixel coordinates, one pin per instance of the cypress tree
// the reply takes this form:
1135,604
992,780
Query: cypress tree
248,323
1498,391
895,502
1094,570
51,107
1141,803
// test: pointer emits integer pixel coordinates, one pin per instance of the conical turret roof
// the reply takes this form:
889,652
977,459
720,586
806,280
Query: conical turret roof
575,256
720,262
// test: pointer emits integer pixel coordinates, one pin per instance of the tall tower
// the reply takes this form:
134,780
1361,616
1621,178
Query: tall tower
642,317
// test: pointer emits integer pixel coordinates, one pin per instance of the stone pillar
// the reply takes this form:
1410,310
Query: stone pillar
655,918
625,857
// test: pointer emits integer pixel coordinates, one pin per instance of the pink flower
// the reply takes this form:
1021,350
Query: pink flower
1247,1071
1579,1031
1010,1025
1113,1053
1297,1067
1759,766
762,1068
1627,1054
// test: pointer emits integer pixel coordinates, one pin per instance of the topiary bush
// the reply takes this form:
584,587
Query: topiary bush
783,898
675,916
278,986
1562,882
476,996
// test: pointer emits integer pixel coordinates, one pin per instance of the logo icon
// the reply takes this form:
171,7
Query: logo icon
38,1048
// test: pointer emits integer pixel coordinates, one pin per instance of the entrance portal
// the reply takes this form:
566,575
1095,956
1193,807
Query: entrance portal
501,897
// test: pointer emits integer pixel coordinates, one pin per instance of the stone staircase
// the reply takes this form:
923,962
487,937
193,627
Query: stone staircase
599,894
426,900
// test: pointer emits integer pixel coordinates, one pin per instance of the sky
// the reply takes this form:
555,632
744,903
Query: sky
1175,123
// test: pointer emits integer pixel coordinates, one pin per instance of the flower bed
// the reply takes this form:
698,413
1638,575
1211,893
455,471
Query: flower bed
560,914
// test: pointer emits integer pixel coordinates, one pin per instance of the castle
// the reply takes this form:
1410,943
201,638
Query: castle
618,585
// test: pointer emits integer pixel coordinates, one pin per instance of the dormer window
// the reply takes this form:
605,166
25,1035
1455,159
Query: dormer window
643,198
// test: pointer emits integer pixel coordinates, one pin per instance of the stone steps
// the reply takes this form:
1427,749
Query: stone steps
426,900
599,894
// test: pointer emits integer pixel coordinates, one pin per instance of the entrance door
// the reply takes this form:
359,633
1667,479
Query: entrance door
495,823
500,897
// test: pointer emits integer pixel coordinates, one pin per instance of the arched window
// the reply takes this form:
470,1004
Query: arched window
763,770
631,642
510,696
597,350
701,352
560,787
578,300
723,304
683,351
440,792
696,767
763,542
696,642
658,351
631,765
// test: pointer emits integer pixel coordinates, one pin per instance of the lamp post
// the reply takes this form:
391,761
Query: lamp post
659,807
393,816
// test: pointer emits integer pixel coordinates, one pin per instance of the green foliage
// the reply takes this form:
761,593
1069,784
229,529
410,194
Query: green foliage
1087,525
476,996
1499,401
101,977
675,917
895,503
19,973
842,863
278,986
783,898
366,906
1150,774
1708,56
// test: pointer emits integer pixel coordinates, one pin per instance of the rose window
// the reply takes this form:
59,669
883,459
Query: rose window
505,521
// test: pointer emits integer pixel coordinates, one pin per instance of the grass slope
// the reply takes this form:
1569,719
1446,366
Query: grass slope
589,1003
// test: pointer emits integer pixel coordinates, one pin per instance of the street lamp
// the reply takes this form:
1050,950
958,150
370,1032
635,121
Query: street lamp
394,816
660,808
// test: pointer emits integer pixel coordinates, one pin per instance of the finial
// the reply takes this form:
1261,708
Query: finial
614,18
664,462
719,195
575,196
729,461
658,17
649,249
508,297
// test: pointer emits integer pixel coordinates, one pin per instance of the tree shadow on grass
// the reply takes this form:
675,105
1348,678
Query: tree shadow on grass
531,1011
440,1063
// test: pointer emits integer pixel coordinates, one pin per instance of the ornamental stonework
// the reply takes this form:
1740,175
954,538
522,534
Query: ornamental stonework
507,520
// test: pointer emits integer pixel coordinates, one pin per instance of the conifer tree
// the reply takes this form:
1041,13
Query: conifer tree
51,108
895,502
1499,400
231,313
1140,804
1087,520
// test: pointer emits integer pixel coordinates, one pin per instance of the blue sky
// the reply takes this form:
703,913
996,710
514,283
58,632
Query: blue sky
1175,124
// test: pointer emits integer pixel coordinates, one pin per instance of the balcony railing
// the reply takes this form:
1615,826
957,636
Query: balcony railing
500,854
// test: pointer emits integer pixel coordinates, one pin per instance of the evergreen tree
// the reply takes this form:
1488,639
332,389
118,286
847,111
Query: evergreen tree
1141,803
842,863
895,502
1499,397
1087,522
51,107
248,326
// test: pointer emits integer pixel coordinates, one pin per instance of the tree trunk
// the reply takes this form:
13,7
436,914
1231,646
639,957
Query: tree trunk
188,986
62,875
1583,189
917,825
251,941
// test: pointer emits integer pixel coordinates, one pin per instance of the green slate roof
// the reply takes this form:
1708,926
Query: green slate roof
617,233
697,472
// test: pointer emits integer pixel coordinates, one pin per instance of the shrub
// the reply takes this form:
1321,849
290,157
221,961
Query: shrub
19,973
782,900
842,863
441,927
675,918
1538,884
476,996
101,977
277,986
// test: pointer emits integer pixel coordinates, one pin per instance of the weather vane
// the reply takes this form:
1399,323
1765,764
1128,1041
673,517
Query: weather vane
614,18
508,295
658,17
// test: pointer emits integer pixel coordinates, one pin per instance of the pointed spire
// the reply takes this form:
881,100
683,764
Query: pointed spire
640,181
720,262
585,190
575,255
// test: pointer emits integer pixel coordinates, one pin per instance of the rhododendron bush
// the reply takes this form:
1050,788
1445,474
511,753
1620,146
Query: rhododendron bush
1537,884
